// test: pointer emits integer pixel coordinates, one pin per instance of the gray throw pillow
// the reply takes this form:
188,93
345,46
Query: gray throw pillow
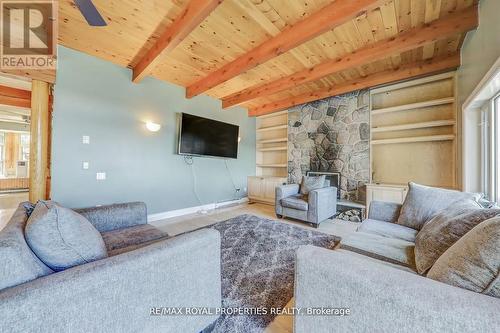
62,238
444,229
311,183
18,263
423,202
473,262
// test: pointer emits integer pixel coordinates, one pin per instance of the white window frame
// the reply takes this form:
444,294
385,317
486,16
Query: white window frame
490,145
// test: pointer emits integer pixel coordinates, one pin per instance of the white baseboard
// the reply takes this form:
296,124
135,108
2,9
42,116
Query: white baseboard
193,210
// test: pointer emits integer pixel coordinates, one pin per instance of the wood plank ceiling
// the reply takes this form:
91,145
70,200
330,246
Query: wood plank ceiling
327,55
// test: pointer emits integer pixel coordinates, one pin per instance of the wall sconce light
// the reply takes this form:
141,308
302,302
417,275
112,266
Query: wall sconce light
153,127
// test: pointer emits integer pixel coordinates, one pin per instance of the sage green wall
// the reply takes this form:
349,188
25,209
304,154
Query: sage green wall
480,50
97,98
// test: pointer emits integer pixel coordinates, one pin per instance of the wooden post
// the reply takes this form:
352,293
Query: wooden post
39,140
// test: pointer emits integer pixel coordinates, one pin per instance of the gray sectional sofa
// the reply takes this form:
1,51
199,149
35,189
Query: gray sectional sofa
374,275
144,271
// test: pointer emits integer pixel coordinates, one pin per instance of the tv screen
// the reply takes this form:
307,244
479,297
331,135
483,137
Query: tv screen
207,137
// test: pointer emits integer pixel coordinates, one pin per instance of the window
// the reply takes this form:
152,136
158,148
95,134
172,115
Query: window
490,145
24,151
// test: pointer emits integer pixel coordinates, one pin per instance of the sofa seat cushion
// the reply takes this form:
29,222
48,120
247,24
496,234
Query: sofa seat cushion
392,250
381,262
62,238
388,229
295,202
18,263
128,239
423,202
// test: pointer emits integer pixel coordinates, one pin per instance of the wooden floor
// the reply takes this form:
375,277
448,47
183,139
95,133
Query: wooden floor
177,225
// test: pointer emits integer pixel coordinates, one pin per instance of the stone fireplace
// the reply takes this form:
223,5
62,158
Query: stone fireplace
332,135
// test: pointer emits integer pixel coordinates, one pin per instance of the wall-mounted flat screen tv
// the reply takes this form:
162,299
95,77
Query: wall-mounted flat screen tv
206,137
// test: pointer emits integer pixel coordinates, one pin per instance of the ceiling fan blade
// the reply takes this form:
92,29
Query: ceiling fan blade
90,13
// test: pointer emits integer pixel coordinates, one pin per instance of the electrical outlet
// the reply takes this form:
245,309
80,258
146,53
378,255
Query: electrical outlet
86,140
85,165
100,176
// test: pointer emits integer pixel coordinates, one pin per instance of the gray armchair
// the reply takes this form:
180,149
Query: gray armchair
321,204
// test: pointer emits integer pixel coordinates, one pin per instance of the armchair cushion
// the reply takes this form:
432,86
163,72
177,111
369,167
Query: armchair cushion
423,202
62,238
309,184
295,202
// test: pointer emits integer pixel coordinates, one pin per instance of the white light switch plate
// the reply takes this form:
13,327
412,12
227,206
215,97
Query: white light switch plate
86,140
85,165
100,176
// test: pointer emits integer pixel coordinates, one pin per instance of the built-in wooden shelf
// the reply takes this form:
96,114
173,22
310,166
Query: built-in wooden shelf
272,149
435,102
272,128
447,137
403,127
272,165
273,140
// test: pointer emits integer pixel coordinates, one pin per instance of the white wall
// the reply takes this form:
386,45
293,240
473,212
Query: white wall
480,50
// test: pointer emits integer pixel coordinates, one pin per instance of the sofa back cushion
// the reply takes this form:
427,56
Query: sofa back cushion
473,262
309,184
423,202
18,263
444,229
62,238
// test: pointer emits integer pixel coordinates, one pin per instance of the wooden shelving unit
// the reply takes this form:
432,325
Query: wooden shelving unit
272,128
429,138
272,149
412,106
285,139
271,157
413,132
428,124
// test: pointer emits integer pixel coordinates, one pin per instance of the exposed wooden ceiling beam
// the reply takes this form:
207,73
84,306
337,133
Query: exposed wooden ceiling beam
46,75
406,72
449,26
325,19
15,97
190,18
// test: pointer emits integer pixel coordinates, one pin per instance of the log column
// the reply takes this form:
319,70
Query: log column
39,140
